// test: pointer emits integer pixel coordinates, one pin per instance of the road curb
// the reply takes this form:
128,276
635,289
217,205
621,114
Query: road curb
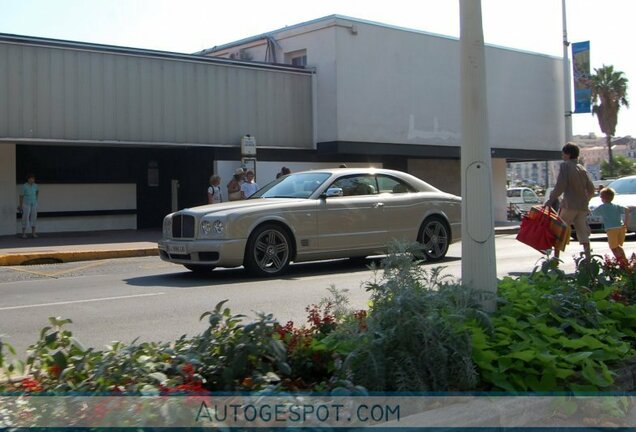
507,231
21,259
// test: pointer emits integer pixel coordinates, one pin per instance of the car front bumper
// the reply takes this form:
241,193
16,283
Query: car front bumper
218,253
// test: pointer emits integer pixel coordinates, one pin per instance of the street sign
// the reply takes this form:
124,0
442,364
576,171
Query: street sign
248,145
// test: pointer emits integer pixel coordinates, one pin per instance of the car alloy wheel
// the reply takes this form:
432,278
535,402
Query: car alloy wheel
434,238
268,251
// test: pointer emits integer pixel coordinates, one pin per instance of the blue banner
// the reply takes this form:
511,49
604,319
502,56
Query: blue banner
582,82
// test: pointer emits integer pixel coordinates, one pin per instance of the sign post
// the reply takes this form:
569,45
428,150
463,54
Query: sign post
248,153
479,269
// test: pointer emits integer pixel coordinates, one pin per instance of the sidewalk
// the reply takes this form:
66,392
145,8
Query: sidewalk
78,246
96,245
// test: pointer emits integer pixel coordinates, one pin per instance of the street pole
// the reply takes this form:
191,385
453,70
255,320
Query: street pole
479,268
567,91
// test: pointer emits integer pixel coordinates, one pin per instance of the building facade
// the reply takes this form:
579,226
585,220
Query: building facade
394,91
118,137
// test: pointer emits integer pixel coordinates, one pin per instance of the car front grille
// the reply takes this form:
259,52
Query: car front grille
182,226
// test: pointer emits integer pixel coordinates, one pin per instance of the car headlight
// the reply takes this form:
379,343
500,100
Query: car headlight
215,227
167,226
206,226
218,227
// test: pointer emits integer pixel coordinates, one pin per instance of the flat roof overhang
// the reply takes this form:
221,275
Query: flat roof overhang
430,151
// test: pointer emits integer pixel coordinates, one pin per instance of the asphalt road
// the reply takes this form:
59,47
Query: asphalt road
147,298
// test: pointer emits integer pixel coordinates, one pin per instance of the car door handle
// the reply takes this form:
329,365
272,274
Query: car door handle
378,205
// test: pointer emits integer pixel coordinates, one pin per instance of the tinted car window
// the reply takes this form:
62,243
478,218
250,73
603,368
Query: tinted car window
529,195
300,185
356,185
388,184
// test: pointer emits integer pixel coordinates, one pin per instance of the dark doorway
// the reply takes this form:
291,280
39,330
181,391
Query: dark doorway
191,167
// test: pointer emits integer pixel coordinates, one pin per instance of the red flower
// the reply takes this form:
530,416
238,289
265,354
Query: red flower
31,385
188,370
618,297
55,370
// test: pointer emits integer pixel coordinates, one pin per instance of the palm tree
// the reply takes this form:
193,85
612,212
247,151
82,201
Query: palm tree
609,92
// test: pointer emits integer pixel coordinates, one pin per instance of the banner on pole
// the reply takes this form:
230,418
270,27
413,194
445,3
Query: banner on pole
582,82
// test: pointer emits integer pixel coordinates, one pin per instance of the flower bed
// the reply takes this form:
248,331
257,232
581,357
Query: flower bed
421,332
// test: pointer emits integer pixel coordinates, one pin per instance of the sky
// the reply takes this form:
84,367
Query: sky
187,26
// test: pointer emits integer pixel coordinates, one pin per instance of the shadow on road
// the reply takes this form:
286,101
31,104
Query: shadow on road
221,276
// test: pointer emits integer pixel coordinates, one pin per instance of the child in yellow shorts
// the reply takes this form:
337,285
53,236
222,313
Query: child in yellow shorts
614,226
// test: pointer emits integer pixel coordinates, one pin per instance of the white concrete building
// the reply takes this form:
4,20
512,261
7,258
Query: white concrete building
387,90
118,137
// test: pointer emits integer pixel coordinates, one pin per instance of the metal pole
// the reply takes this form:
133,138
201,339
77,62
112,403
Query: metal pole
567,84
479,269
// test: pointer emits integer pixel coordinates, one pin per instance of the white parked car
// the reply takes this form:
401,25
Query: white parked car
520,200
625,189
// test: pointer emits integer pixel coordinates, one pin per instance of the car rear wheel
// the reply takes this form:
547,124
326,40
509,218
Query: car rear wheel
434,238
268,252
197,268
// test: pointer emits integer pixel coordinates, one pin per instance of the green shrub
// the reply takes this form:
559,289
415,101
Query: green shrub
416,339
552,334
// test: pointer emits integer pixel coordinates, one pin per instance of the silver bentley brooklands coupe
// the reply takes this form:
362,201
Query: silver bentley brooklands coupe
314,215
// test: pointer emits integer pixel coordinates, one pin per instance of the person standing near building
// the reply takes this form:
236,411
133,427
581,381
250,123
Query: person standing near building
577,189
249,187
29,205
283,172
234,186
214,191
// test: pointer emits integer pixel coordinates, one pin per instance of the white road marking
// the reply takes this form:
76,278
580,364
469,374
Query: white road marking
79,301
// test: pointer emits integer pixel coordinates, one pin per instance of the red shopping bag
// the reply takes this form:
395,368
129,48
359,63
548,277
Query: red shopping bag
536,233
560,229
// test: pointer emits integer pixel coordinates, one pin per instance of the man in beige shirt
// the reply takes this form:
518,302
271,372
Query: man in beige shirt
577,189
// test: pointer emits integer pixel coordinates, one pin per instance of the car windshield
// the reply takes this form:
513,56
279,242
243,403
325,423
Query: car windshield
625,185
300,185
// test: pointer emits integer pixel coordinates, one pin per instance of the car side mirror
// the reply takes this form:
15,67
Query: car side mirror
333,192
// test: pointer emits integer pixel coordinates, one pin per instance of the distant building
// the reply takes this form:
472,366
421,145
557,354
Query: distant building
593,152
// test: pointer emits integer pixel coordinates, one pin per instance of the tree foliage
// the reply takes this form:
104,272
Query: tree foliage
609,93
623,166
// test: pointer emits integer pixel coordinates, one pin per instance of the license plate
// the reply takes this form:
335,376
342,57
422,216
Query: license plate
593,219
177,249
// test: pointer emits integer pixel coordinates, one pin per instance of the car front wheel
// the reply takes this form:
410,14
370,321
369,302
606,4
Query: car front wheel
434,238
268,252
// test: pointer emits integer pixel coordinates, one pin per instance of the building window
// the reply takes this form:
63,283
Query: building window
299,61
296,58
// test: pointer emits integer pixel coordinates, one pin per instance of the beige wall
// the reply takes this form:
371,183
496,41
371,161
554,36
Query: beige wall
79,95
500,202
384,84
319,41
403,87
82,197
8,200
445,174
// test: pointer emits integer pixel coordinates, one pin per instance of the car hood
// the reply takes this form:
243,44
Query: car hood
624,200
230,206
